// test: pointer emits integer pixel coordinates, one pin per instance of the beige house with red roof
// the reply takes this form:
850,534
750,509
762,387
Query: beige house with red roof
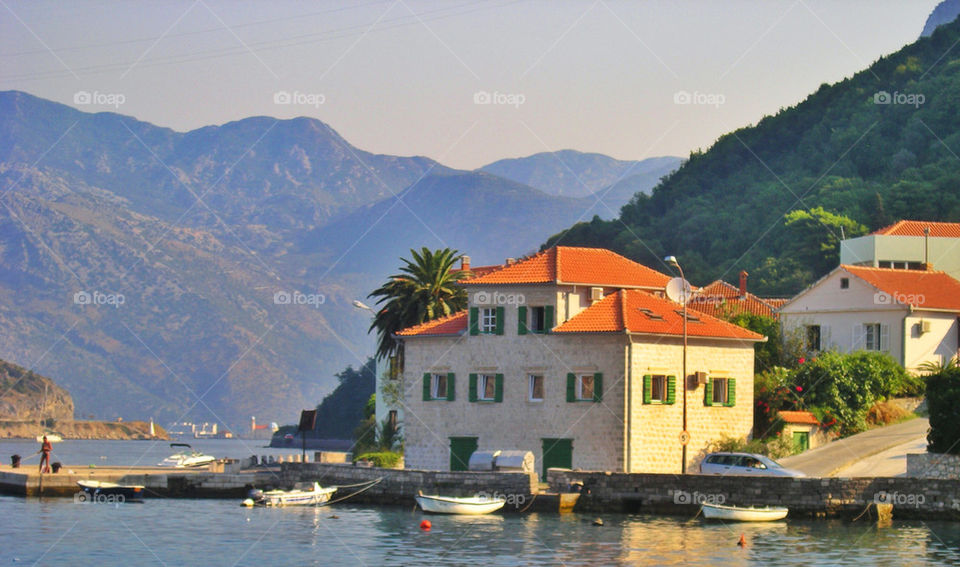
573,354
907,245
910,314
723,300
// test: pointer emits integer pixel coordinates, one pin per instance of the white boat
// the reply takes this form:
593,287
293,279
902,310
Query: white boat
102,491
316,494
187,458
744,514
473,506
51,437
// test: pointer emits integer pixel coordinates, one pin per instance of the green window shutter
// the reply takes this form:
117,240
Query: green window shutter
671,389
474,320
450,382
708,393
472,394
498,389
598,386
521,320
547,318
499,330
426,386
647,388
571,387
731,392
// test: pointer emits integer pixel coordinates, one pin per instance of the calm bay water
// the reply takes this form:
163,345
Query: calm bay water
58,531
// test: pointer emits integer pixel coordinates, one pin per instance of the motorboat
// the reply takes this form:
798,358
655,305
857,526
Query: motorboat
187,458
103,491
744,514
300,496
472,506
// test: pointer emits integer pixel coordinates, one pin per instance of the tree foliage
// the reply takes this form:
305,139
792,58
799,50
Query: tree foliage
943,402
343,409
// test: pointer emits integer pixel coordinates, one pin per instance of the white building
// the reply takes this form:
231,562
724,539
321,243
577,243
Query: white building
910,314
907,245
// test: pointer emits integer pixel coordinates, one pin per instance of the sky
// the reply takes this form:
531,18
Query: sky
465,83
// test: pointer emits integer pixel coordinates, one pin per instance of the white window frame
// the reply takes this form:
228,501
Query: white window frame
662,379
531,380
871,337
581,379
488,320
533,318
435,380
482,381
721,388
807,329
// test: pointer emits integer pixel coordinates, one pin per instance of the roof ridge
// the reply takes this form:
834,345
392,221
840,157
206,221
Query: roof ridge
848,267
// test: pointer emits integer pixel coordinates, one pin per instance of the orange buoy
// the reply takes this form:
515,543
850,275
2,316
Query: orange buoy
425,525
743,541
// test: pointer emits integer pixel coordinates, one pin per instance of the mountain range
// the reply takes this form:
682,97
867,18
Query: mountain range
209,275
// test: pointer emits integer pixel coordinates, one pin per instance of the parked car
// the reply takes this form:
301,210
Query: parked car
744,464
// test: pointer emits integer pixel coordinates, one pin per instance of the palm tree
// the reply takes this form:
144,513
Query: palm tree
424,290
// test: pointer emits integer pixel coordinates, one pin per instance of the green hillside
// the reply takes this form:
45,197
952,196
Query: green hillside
877,147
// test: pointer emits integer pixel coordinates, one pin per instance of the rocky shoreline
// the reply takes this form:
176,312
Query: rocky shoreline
108,430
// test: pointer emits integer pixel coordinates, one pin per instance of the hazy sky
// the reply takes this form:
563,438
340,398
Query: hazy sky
465,83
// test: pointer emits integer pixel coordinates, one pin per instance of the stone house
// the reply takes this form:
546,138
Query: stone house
804,429
573,354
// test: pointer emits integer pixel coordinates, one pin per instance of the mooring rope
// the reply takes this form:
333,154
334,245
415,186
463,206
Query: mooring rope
370,485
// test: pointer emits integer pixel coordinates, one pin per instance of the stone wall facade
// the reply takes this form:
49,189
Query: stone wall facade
805,497
933,465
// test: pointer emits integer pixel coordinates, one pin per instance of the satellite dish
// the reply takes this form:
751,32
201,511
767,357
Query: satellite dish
678,289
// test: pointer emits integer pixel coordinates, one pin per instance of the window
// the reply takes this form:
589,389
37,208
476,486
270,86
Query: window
844,283
536,320
486,387
488,320
584,387
813,338
871,336
720,392
536,387
438,386
659,389
392,419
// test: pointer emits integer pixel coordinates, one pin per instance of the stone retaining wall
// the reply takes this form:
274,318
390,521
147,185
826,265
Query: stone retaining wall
805,497
400,486
933,465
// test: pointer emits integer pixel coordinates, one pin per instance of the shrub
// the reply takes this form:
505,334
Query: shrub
943,395
383,459
885,413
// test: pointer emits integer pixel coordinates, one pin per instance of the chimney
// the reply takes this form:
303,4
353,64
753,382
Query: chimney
511,261
465,263
743,283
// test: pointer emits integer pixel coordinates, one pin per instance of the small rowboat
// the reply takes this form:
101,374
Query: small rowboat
744,514
472,506
296,497
111,492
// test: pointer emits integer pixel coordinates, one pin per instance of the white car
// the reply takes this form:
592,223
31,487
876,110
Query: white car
744,464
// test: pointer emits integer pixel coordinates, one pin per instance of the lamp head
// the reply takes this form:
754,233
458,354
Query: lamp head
672,260
361,305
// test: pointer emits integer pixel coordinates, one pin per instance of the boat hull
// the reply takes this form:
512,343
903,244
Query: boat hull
464,506
741,514
278,498
96,491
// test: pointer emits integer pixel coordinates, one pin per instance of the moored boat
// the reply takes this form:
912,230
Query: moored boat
311,496
473,506
98,490
187,458
51,437
744,514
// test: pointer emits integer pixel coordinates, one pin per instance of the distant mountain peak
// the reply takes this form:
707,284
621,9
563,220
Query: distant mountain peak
945,12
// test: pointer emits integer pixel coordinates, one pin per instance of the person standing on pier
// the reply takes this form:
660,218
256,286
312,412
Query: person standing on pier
45,450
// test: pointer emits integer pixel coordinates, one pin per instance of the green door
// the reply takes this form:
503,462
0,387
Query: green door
801,440
460,450
557,453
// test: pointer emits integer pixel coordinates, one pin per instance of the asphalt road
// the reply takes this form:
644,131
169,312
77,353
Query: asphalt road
865,450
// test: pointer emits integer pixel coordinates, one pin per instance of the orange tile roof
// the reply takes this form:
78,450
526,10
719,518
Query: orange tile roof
636,311
450,325
915,228
721,299
571,265
923,290
803,417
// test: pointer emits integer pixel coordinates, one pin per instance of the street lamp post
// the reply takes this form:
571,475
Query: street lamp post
685,435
